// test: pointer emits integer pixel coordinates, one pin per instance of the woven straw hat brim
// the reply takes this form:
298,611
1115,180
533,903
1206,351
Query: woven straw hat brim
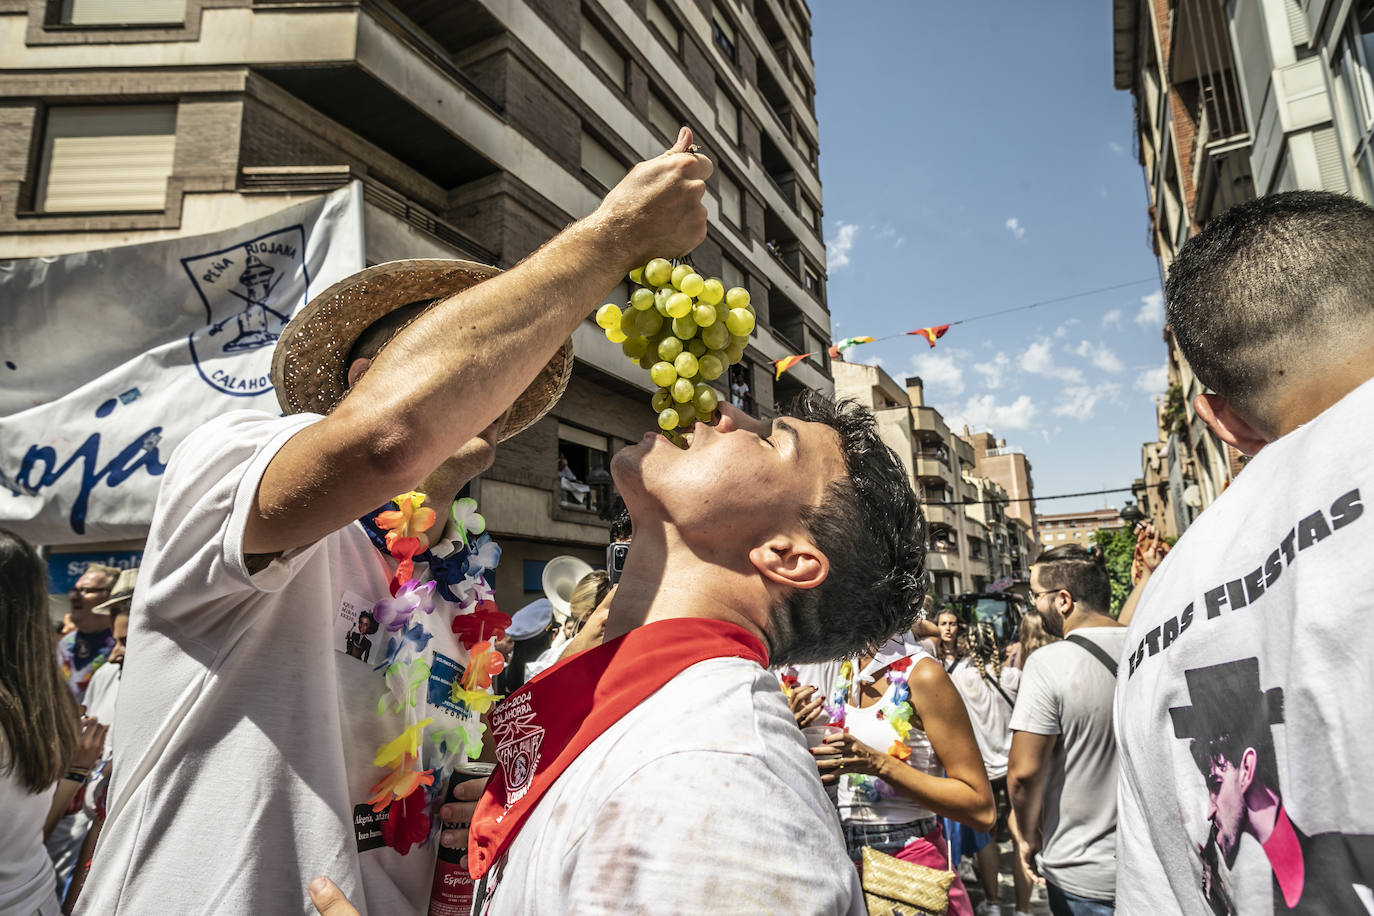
309,368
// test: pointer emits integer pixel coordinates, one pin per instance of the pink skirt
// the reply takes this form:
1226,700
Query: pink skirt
929,851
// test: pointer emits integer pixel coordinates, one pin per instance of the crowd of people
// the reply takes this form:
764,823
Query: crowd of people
766,712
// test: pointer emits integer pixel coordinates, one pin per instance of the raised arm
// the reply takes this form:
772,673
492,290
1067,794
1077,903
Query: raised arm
458,367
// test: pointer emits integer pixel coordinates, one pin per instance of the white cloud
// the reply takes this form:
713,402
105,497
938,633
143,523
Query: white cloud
940,370
993,370
839,247
1112,319
1077,402
983,412
1015,228
1151,314
1116,148
1100,356
1038,360
1153,381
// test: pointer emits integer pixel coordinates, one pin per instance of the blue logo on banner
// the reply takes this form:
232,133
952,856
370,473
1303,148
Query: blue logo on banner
246,306
442,675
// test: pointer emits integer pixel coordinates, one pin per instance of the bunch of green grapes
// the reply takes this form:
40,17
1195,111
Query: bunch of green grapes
686,331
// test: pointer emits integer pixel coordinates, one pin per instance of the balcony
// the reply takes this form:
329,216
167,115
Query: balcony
928,465
937,515
943,561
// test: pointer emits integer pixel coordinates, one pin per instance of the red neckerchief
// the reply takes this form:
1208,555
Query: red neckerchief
541,728
1285,858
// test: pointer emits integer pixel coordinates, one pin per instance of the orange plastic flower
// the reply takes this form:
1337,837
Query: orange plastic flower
485,662
899,750
399,783
408,520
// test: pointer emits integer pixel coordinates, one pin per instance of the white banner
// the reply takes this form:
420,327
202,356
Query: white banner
109,358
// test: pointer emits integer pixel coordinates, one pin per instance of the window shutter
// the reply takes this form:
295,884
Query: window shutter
600,49
727,114
122,12
662,119
662,23
598,162
731,206
107,158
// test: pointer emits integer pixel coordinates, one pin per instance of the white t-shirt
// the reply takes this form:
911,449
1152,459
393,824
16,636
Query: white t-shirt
1263,611
704,798
1066,691
27,883
246,733
989,712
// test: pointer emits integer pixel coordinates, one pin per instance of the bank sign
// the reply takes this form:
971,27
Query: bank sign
109,358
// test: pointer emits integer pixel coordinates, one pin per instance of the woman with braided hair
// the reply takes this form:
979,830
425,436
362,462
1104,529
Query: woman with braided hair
989,691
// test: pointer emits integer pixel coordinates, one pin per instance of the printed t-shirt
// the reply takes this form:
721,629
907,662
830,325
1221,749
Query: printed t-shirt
246,732
703,798
1066,691
80,655
1257,624
989,712
27,883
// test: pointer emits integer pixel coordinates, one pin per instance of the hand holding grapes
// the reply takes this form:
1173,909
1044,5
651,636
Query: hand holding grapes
656,208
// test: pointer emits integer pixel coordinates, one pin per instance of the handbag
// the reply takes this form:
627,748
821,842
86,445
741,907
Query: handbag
893,887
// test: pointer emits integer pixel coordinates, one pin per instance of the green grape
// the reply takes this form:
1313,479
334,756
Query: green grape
737,297
661,299
683,390
637,276
692,284
739,321
615,335
685,328
648,323
635,347
706,417
627,323
642,299
705,399
717,336
608,316
646,362
734,353
704,315
678,305
663,374
740,339
669,348
712,291
668,418
680,273
696,346
711,365
662,399
686,417
686,365
658,272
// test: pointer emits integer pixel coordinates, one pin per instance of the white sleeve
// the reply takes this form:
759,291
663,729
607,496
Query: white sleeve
1038,704
689,827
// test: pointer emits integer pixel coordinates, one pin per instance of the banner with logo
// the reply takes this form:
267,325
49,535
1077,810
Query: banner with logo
109,358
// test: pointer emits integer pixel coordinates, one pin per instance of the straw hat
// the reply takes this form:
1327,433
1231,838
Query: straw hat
122,592
309,364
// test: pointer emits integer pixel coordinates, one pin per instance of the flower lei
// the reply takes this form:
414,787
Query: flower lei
897,714
406,793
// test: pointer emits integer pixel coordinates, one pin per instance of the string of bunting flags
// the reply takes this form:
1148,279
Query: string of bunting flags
935,332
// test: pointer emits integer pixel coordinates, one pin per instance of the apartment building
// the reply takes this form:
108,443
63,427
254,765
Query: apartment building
1009,467
973,538
1077,527
1234,100
476,128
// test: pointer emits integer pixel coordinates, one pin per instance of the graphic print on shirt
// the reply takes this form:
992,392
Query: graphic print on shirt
1229,730
518,741
353,625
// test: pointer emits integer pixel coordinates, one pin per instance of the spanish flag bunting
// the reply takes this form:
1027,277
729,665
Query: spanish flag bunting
837,349
787,362
930,334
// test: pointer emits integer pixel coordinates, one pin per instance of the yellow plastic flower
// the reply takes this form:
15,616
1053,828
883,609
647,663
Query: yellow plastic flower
407,743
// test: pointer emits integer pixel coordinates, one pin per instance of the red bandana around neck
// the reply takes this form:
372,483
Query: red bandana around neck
541,728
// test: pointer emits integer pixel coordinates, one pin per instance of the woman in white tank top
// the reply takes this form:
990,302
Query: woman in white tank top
908,754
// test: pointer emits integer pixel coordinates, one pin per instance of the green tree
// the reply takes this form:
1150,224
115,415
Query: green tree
1118,547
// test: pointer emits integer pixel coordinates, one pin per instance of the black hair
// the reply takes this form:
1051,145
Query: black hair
376,335
1080,571
371,623
622,528
1266,280
871,529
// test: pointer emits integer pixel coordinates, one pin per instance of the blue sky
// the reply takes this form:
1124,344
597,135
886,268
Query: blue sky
976,157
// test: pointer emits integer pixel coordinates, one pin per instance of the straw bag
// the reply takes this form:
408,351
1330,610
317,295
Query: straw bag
896,888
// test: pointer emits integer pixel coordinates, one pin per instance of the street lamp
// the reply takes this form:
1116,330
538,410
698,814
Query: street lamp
1131,514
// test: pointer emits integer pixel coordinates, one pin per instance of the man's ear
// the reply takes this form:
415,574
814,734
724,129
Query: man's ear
791,562
357,368
1249,762
1230,427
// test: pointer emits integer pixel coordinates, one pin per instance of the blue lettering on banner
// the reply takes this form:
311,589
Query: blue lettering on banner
442,675
139,454
65,568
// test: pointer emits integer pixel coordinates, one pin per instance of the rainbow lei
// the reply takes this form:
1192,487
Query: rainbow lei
404,792
898,715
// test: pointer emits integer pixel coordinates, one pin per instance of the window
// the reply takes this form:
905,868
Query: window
662,119
811,281
601,163
598,47
809,214
122,12
731,205
106,158
723,34
730,273
583,456
663,24
806,149
727,114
